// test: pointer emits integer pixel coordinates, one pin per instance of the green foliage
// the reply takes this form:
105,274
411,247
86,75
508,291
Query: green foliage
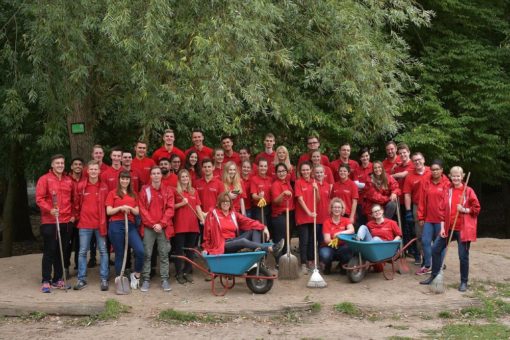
348,308
472,331
174,316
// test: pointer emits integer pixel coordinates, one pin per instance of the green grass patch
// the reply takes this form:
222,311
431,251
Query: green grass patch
399,327
174,316
396,337
112,311
445,314
34,316
348,308
471,331
316,307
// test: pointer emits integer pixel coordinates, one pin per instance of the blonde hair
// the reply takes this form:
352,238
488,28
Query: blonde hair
287,158
227,181
333,201
189,188
457,169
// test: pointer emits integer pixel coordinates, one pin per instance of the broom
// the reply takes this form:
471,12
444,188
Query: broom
316,280
288,264
437,285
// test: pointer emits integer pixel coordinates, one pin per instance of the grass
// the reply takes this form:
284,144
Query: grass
34,316
348,308
174,316
112,311
399,327
471,331
445,314
316,307
396,337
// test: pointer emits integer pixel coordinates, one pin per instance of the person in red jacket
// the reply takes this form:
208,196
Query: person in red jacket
127,161
347,191
246,173
54,193
169,179
382,189
168,149
142,163
282,156
208,186
76,175
305,213
156,205
361,178
323,198
260,188
313,143
333,226
431,211
231,179
192,164
120,201
110,177
197,138
219,162
344,152
226,231
379,229
464,231
316,160
89,203
268,153
282,199
187,215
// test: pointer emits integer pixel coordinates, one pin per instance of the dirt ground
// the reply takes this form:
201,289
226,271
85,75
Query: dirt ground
400,307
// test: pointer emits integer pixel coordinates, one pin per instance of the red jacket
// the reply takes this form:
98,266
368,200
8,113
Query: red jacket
206,152
144,167
213,241
387,230
157,207
347,191
162,152
433,200
63,188
467,223
80,208
353,165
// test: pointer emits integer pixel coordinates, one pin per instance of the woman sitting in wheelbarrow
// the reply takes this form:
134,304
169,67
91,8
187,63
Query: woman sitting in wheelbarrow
227,231
380,228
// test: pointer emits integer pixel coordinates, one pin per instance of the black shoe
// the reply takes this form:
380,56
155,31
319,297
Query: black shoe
180,278
92,263
80,285
277,248
188,277
463,287
428,281
104,285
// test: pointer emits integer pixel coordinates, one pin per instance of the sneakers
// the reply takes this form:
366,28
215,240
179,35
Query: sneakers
428,281
80,285
145,286
166,286
46,288
188,277
135,281
60,285
277,248
104,285
423,271
304,269
463,287
180,278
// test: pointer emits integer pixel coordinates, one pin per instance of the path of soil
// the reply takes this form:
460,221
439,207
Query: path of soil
400,307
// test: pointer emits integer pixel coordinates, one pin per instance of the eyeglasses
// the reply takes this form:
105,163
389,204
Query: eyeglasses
309,143
281,171
376,211
417,160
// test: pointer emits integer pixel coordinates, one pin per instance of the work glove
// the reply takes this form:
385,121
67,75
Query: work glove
333,243
262,203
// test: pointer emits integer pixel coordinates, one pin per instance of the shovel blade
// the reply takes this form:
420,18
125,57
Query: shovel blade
403,267
122,286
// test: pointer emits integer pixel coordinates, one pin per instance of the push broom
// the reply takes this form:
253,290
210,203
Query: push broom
437,285
316,280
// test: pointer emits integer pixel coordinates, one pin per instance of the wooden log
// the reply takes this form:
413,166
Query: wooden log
19,308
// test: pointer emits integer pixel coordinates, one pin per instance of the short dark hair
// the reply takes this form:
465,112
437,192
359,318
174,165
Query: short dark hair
227,137
77,159
57,156
206,160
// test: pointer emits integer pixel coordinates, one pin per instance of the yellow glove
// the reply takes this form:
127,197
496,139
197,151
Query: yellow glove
333,243
262,203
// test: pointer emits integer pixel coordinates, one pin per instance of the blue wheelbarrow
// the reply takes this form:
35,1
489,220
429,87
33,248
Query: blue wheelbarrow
367,254
227,267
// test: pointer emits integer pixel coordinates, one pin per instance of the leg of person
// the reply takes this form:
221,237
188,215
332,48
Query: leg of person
267,218
252,235
279,230
418,230
92,261
342,254
58,273
154,259
364,234
135,242
325,258
303,242
76,246
49,246
189,242
437,249
426,239
319,235
116,235
310,252
104,266
149,237
463,249
235,244
178,241
163,246
390,209
85,236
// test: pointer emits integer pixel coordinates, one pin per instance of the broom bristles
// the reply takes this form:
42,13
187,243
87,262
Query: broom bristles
316,280
437,285
288,268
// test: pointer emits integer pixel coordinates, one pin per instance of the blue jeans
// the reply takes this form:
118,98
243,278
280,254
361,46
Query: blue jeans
85,237
429,234
438,254
364,235
116,234
328,254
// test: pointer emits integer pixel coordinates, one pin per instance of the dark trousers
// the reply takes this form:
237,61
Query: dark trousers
306,249
184,240
51,261
279,230
328,255
73,245
463,250
250,239
257,215
408,232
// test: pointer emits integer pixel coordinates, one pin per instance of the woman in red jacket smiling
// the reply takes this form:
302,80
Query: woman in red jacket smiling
227,231
464,230
383,190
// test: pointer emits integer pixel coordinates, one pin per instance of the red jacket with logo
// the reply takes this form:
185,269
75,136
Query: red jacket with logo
63,188
157,207
89,208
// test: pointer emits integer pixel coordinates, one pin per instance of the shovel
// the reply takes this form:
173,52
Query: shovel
288,264
121,282
403,268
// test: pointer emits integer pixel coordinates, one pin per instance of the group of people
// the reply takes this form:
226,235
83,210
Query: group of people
223,201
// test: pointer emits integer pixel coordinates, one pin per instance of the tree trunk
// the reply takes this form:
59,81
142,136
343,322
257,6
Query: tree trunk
81,144
16,217
506,204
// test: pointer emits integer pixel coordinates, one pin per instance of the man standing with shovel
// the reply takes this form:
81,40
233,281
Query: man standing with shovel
54,196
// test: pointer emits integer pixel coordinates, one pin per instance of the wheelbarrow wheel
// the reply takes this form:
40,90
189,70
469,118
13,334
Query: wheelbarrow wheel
259,286
356,275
